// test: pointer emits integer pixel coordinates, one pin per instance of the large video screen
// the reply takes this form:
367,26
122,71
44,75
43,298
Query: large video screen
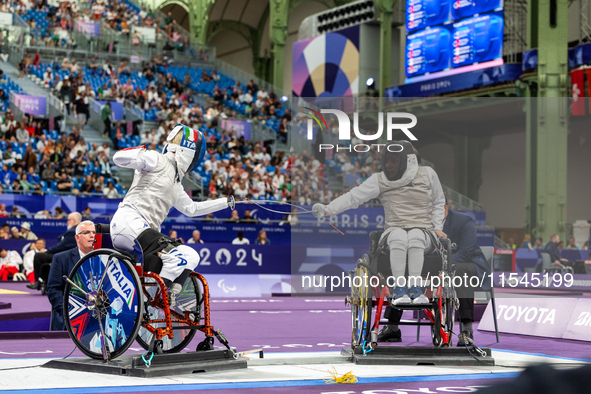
445,37
477,39
464,8
472,40
428,51
425,13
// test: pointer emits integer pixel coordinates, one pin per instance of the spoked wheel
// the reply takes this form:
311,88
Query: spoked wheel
104,309
442,329
436,327
189,299
361,305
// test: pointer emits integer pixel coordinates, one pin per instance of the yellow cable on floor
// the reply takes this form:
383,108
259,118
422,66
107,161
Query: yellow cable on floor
335,378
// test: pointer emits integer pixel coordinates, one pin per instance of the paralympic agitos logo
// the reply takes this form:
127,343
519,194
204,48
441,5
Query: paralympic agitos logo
345,127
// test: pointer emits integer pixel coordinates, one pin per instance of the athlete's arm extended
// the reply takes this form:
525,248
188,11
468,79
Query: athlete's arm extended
191,208
137,158
351,200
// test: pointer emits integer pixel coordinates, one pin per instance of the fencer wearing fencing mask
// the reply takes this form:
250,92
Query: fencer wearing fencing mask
156,188
413,202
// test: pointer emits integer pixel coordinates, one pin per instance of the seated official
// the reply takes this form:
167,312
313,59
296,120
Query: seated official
66,240
62,264
552,249
468,259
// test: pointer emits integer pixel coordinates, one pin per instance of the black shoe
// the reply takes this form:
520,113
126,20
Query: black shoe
390,334
34,286
43,289
466,338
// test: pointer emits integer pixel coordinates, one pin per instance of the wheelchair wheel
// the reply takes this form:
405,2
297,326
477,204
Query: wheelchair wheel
442,329
361,305
106,306
189,299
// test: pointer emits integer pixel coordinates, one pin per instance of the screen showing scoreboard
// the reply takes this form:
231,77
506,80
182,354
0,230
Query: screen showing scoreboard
477,39
428,51
426,13
464,8
446,37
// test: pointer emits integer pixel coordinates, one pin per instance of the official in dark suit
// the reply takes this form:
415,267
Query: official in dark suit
62,264
66,241
552,249
468,259
470,262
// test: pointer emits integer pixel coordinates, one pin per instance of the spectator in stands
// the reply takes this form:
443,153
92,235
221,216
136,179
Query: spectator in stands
262,238
527,243
65,184
88,185
10,262
16,213
65,93
572,245
3,213
26,232
586,245
81,109
539,244
234,218
44,257
21,133
14,233
209,218
196,238
62,265
240,240
87,213
41,143
29,257
30,158
59,213
248,219
110,191
26,186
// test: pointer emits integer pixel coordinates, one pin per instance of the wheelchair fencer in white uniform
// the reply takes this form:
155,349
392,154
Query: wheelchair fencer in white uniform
155,189
413,202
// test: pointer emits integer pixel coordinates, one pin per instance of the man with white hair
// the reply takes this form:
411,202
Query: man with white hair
196,239
43,259
62,265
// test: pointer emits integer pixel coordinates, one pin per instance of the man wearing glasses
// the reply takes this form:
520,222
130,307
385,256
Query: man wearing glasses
42,260
62,264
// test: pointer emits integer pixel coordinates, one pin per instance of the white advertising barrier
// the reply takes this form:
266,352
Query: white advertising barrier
239,285
542,317
579,325
5,19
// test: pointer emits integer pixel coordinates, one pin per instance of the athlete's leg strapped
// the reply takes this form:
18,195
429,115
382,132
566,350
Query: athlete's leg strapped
177,260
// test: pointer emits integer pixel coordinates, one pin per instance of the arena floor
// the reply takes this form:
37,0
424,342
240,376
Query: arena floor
301,338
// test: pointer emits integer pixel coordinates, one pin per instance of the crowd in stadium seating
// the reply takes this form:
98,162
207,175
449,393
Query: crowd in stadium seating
36,161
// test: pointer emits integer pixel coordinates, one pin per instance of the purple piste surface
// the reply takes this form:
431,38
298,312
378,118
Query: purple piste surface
33,301
295,325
